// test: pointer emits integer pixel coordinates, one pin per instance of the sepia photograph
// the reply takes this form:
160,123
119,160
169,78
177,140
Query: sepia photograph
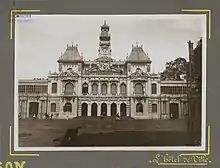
110,82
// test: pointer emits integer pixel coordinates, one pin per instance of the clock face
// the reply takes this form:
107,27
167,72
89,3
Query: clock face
104,50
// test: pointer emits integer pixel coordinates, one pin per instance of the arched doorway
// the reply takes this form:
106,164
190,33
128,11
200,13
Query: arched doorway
94,109
113,109
67,107
123,109
84,109
174,111
104,109
33,109
139,108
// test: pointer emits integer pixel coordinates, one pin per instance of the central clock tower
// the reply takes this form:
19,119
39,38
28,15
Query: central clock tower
104,44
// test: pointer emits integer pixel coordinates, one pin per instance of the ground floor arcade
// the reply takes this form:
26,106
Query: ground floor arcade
146,109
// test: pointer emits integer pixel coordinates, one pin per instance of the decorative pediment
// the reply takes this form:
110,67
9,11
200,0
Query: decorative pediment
104,69
68,74
139,74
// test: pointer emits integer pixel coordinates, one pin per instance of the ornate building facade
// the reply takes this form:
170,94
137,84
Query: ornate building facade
103,86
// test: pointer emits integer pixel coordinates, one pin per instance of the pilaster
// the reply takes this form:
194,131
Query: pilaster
89,109
108,109
99,109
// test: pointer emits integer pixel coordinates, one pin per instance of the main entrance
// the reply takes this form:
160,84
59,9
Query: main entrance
113,109
67,107
174,111
84,109
104,109
123,109
94,109
33,109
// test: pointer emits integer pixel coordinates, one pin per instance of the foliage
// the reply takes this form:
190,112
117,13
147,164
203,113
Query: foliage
175,70
197,68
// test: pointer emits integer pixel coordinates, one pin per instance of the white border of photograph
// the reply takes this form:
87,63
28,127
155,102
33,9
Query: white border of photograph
131,148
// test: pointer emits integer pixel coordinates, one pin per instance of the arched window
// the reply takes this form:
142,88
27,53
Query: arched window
154,108
114,89
139,89
123,89
95,89
104,89
69,88
139,108
85,88
53,107
154,88
54,87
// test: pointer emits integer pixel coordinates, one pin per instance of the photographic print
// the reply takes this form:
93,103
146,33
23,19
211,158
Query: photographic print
110,82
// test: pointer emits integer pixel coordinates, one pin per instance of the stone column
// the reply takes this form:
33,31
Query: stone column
99,88
118,88
145,111
118,108
168,108
158,89
99,109
109,109
39,109
89,109
109,88
146,89
27,114
58,87
127,109
180,110
78,85
48,106
131,89
133,108
89,89
128,87
24,109
19,106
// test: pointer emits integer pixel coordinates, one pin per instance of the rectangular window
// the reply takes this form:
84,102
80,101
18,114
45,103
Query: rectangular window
154,88
54,87
21,89
175,90
154,108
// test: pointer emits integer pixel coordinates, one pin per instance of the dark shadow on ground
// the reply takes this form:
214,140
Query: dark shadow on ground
127,138
106,132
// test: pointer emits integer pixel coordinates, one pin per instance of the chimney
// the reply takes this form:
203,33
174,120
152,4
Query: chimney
190,45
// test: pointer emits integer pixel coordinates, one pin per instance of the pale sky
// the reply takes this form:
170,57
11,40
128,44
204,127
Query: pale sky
42,39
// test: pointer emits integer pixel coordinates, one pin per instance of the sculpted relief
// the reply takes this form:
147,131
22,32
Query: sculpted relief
139,74
69,73
104,68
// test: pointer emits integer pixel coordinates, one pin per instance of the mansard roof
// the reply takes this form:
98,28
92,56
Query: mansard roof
70,55
138,55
